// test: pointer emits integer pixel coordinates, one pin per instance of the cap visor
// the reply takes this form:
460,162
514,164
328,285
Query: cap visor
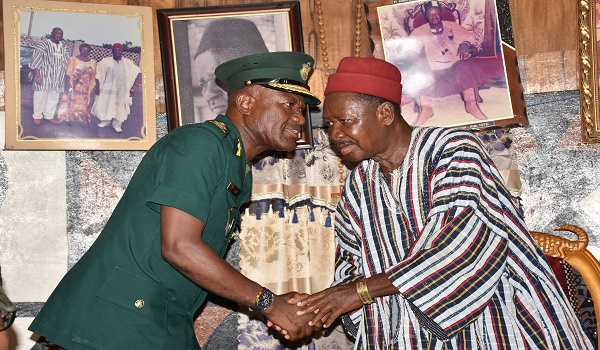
309,97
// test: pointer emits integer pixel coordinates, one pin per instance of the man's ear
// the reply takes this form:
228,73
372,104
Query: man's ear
244,102
385,113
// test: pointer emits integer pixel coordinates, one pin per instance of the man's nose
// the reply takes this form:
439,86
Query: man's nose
298,116
334,132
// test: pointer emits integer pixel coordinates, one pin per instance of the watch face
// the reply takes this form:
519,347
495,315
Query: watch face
268,298
265,300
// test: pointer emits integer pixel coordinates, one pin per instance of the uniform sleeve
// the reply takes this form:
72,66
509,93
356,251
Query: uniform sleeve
188,173
452,270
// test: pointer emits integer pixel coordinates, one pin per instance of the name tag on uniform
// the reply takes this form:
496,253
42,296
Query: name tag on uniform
233,189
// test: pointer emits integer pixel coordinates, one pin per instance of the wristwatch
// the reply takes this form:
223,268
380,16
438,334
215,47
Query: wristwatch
264,299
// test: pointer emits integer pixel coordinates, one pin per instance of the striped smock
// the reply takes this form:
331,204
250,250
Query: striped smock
51,59
448,235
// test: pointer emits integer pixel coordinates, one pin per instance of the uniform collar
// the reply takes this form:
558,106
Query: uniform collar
235,134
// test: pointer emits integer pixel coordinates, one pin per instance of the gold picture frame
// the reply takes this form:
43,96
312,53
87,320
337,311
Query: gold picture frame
588,70
72,124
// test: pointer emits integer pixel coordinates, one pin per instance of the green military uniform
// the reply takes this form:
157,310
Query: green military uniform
122,294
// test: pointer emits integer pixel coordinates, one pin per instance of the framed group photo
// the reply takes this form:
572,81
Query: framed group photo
194,41
456,68
83,76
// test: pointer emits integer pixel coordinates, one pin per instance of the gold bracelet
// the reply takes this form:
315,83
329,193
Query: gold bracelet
363,293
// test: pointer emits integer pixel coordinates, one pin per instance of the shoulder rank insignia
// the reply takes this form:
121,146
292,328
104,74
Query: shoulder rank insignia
220,125
238,150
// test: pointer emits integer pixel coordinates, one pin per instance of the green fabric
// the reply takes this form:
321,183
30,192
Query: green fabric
258,69
94,306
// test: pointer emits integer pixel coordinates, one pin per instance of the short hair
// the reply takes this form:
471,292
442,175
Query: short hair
85,45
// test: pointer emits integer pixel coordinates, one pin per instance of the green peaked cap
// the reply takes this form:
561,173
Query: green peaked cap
284,71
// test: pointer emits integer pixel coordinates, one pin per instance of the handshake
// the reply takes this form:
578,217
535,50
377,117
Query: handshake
296,316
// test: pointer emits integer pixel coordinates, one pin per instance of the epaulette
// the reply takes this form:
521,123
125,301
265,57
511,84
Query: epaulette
219,124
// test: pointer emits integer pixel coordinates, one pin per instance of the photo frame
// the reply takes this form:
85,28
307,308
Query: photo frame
49,112
589,25
194,41
498,92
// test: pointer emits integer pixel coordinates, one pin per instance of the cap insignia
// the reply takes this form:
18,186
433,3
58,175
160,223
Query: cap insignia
306,67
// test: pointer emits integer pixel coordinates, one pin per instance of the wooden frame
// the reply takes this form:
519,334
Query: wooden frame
588,69
194,41
26,24
497,41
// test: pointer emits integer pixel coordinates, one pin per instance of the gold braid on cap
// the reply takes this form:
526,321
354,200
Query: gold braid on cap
294,88
285,84
280,81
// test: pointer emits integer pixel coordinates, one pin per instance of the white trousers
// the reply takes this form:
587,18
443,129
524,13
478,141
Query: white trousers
45,104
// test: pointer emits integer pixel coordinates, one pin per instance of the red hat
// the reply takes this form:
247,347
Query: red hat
369,76
117,45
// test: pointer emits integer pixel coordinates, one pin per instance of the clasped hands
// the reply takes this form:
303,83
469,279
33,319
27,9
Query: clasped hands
296,316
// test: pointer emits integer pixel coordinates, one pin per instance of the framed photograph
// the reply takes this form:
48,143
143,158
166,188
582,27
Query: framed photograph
194,41
457,67
84,78
589,30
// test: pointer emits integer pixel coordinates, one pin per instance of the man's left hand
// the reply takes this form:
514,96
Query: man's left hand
283,316
464,51
330,304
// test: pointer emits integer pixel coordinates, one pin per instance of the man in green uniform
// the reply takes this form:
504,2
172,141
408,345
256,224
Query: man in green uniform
161,251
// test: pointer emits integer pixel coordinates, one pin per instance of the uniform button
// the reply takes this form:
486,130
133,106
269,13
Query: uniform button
139,303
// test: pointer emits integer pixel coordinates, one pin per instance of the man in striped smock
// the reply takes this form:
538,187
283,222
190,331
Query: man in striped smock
432,252
49,60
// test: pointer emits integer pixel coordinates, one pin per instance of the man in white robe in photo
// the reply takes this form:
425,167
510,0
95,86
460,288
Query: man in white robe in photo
115,79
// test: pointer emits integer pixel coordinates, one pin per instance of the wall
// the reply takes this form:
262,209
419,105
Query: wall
546,36
45,195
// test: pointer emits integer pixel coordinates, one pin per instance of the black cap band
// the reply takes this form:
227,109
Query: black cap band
276,81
